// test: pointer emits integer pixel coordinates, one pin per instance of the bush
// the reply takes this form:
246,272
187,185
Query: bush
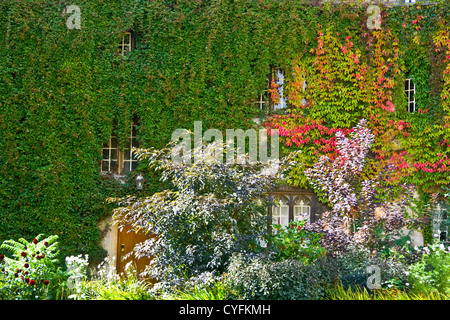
432,272
295,243
206,286
350,268
106,284
258,278
32,272
215,210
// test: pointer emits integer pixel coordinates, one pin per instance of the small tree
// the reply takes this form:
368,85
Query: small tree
362,210
214,209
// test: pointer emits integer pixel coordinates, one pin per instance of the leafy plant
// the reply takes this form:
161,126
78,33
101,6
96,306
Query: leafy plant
214,209
259,278
362,210
432,272
32,271
106,284
340,293
295,243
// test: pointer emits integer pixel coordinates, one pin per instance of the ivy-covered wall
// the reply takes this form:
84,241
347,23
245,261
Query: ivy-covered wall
62,90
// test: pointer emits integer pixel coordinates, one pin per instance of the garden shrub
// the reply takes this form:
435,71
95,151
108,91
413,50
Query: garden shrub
33,271
259,278
352,267
213,210
432,272
294,242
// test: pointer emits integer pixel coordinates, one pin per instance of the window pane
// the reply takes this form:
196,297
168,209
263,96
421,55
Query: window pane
301,212
126,166
134,165
114,165
105,166
114,154
105,154
126,154
284,216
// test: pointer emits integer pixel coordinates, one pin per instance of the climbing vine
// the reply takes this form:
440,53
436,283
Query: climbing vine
63,92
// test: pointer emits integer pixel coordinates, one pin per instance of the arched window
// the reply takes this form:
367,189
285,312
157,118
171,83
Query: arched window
302,209
280,212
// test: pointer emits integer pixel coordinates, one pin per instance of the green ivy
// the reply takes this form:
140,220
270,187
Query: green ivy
62,91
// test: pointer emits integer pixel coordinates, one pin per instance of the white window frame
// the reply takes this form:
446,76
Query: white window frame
301,205
279,80
277,213
126,45
122,163
410,90
109,159
129,159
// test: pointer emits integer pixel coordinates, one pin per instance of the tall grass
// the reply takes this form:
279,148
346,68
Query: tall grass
200,293
340,293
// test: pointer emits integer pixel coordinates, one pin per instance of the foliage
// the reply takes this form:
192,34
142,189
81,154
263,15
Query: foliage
215,209
206,286
32,273
203,60
106,284
432,272
340,293
77,268
294,243
259,278
362,209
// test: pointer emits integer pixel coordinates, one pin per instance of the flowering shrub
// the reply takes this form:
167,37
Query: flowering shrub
432,272
77,270
32,272
360,207
106,284
213,210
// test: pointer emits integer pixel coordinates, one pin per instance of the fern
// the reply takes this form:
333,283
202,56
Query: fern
47,246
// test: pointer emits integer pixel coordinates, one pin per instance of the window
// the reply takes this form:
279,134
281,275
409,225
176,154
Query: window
410,90
117,160
291,207
110,160
280,213
264,100
302,208
441,222
127,43
304,89
279,80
